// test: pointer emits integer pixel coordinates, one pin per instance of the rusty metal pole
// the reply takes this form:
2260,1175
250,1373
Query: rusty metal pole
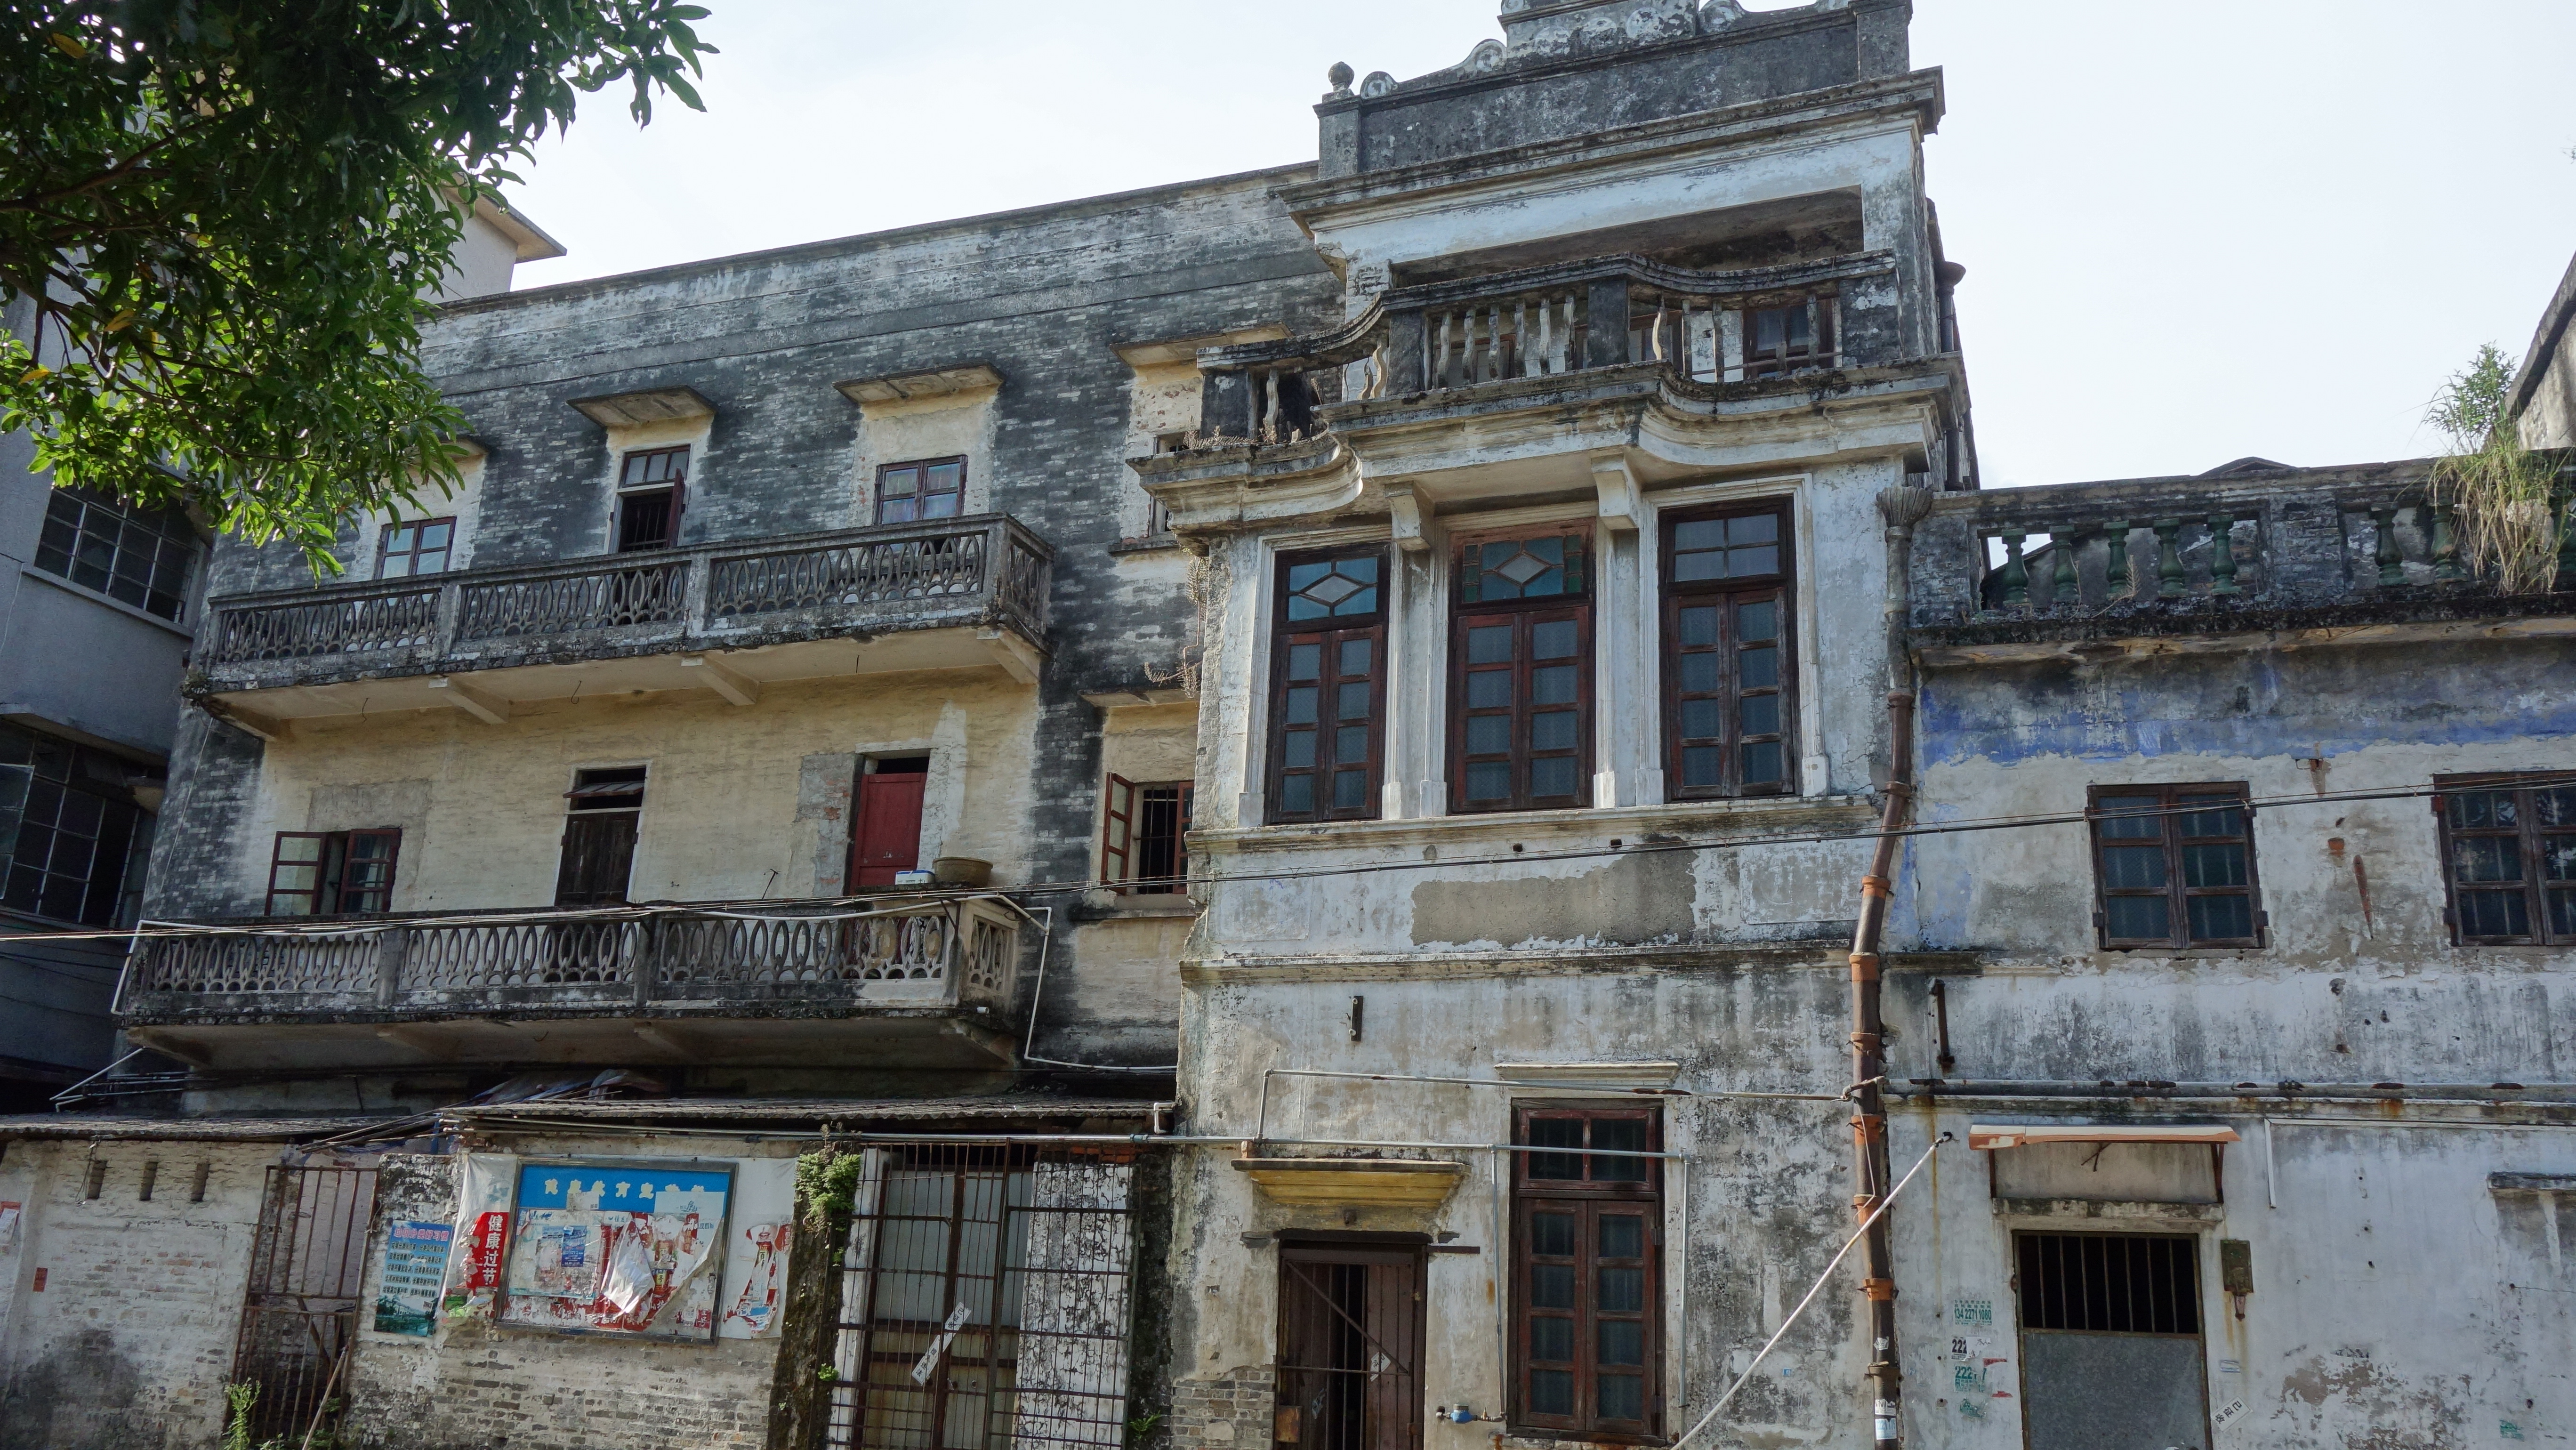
1869,1071
1903,509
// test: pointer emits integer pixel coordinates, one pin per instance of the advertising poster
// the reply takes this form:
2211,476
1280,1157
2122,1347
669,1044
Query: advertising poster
481,1230
755,1305
617,1248
414,1273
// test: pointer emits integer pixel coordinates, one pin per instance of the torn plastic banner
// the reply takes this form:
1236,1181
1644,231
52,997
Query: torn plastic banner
481,1238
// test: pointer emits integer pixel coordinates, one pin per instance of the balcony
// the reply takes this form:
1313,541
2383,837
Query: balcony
1554,322
2346,553
897,981
940,595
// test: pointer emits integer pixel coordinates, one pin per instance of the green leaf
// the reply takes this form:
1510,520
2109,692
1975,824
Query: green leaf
245,205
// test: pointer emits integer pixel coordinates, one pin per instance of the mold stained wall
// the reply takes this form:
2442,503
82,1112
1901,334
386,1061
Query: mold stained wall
130,1342
2353,888
1726,961
1752,1215
1875,159
1046,296
2399,1300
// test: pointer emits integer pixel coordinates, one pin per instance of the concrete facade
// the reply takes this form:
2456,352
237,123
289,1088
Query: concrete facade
1638,311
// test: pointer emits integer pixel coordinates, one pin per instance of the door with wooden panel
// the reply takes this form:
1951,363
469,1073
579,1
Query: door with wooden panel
886,837
1350,1348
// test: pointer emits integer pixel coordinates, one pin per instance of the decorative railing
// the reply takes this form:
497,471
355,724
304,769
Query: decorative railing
945,572
909,952
654,593
359,620
1710,327
2265,539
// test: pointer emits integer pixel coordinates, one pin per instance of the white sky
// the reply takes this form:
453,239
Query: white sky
2194,229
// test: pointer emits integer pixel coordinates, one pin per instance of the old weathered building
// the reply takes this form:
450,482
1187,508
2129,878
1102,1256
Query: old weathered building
1246,814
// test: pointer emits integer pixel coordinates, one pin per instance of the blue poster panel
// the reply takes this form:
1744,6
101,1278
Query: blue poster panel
626,1248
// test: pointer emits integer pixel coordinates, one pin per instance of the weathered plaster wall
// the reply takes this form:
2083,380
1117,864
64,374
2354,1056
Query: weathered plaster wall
2353,888
2398,1300
482,808
129,1343
1753,1212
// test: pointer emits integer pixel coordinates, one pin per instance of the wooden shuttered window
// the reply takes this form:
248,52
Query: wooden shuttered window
1144,836
1520,674
606,806
2174,866
333,873
1328,687
652,487
1730,659
1587,1274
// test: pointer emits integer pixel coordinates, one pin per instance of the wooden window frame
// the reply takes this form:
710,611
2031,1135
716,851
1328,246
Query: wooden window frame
1524,615
1823,341
2530,837
2170,811
385,552
877,510
331,892
1585,1198
1122,839
1328,636
1727,596
625,784
677,485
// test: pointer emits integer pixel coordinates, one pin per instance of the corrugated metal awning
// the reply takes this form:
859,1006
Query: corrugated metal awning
2024,1135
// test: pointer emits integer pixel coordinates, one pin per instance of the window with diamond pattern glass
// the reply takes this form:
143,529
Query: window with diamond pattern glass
1328,702
1520,682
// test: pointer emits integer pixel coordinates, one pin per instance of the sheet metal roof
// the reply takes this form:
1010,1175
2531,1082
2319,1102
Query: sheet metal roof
813,1110
79,1128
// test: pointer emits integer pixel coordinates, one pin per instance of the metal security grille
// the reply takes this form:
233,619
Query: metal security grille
1350,1349
985,1299
2110,1283
301,1312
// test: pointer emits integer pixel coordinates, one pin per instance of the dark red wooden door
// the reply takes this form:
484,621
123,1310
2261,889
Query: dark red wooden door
887,837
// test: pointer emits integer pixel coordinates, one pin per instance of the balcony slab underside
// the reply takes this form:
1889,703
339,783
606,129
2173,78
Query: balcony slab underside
611,662
266,1035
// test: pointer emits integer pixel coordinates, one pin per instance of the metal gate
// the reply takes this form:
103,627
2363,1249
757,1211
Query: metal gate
985,1299
1350,1348
301,1312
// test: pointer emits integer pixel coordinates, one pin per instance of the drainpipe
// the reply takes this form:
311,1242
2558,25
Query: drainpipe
1903,508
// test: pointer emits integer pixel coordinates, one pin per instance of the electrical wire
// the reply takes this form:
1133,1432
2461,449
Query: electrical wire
1813,1290
854,907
